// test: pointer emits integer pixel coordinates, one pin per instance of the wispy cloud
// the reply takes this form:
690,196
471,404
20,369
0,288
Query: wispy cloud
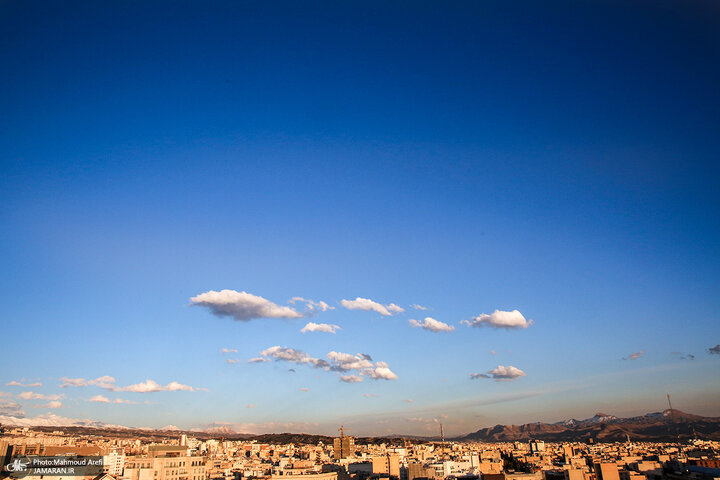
500,319
369,395
232,361
51,404
320,327
105,381
418,307
229,350
15,383
714,350
311,307
683,356
303,389
38,396
250,405
432,325
369,305
351,378
501,373
241,306
635,355
100,399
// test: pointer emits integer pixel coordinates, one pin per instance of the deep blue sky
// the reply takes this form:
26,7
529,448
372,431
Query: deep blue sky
559,158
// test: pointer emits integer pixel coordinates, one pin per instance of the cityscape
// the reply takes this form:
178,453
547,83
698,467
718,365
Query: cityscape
360,240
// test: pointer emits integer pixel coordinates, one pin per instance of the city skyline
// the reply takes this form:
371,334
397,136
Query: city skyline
386,216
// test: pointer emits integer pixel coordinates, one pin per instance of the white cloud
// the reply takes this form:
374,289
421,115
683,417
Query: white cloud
15,383
369,395
312,307
320,327
351,378
120,400
369,305
229,350
52,404
418,307
395,308
635,355
242,306
361,363
432,325
381,371
233,361
107,382
506,373
149,386
304,389
475,376
38,396
100,399
500,319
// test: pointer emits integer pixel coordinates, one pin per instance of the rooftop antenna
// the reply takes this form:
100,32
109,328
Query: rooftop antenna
672,417
672,412
442,435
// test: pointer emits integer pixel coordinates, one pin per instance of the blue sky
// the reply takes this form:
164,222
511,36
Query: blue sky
559,159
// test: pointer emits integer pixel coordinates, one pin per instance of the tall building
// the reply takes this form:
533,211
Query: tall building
343,446
537,446
165,462
388,464
607,471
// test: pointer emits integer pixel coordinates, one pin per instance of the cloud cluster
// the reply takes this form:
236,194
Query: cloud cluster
432,325
241,306
107,382
353,367
501,373
10,408
371,306
500,319
320,327
635,355
15,383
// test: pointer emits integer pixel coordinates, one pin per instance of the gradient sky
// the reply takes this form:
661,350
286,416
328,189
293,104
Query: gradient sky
559,158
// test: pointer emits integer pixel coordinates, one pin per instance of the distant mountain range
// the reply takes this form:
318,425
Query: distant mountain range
667,425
